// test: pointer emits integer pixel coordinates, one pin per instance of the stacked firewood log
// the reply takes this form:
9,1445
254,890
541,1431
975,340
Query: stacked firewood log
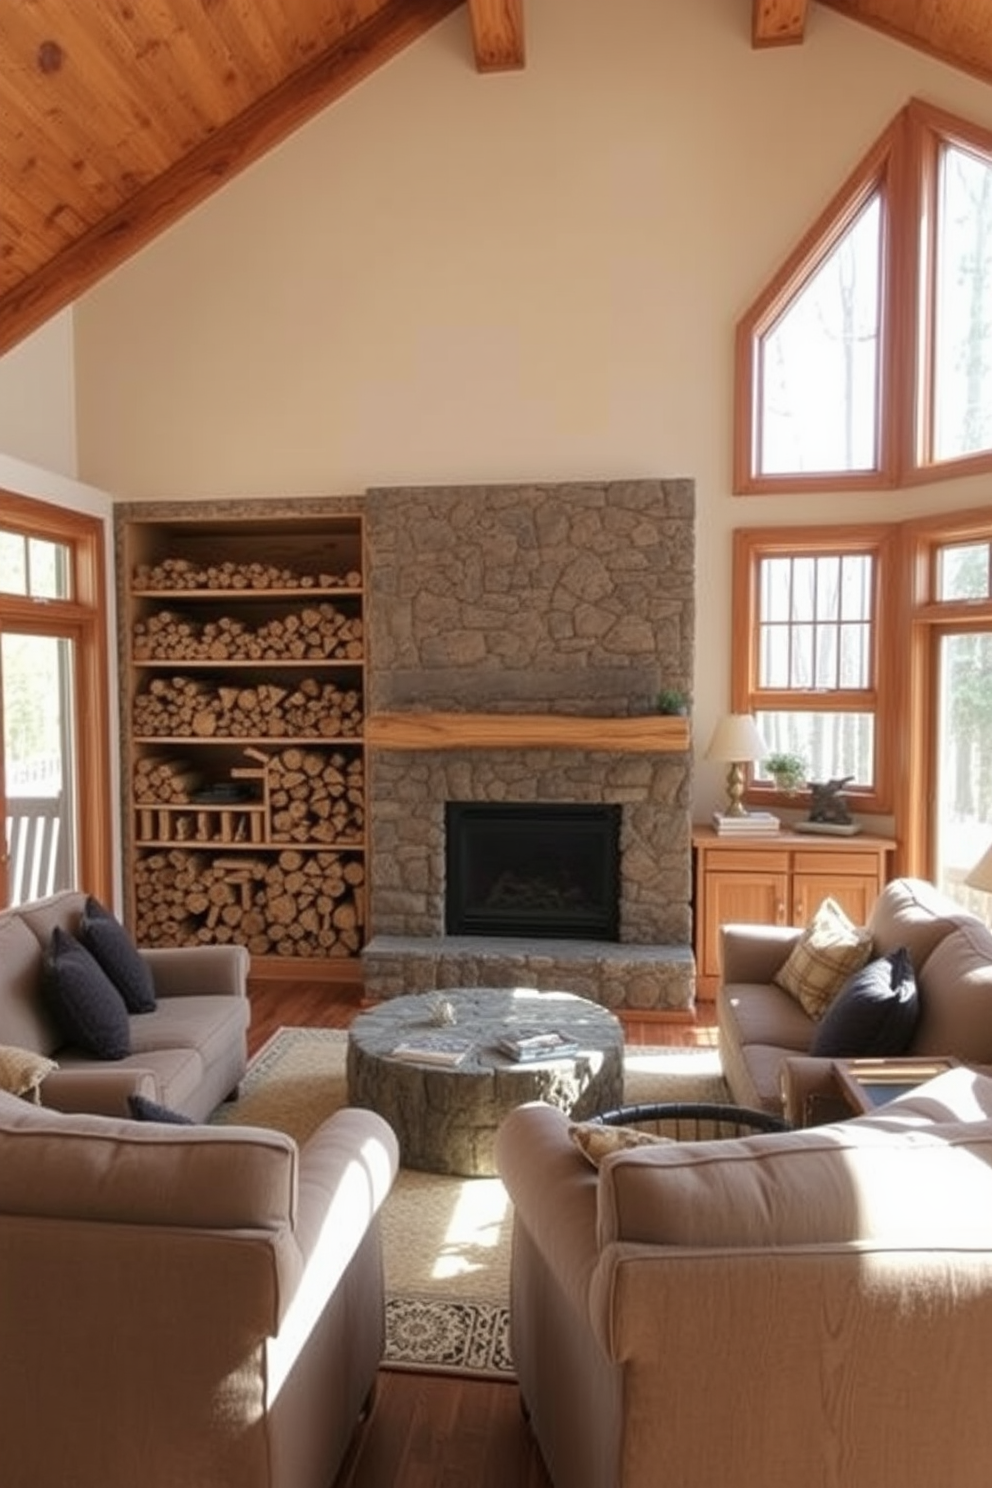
316,632
190,707
182,573
316,797
290,904
165,781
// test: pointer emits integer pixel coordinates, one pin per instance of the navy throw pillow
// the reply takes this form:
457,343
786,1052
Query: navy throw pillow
84,1001
874,1014
105,937
143,1108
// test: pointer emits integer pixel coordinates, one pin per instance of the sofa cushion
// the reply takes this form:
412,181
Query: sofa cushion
830,950
26,1020
108,941
955,985
85,1002
924,1187
874,1013
129,1172
913,913
22,1071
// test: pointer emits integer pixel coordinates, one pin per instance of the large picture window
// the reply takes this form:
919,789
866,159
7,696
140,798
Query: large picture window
867,360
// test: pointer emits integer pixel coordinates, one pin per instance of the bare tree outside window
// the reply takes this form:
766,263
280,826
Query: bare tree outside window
819,362
963,317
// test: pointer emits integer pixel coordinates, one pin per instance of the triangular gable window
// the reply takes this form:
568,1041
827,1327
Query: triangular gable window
867,361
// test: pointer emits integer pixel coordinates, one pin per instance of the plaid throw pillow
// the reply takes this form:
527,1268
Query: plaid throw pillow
829,951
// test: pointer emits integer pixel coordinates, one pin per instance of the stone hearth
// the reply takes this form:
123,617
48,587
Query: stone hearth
545,604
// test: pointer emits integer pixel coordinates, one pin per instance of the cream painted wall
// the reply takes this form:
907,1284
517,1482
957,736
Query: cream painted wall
37,410
449,277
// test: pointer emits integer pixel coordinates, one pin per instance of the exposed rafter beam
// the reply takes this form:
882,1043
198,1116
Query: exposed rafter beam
498,34
778,22
221,157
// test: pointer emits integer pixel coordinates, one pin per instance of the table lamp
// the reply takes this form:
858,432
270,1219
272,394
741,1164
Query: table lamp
736,740
980,876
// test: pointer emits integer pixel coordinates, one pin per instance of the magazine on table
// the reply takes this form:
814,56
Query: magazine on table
528,1044
433,1048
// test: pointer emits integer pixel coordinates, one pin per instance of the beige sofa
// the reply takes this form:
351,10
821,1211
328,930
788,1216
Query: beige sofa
808,1308
764,1034
188,1054
186,1305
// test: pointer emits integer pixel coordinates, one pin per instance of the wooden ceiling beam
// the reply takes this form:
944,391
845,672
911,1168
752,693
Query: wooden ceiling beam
778,22
218,159
498,34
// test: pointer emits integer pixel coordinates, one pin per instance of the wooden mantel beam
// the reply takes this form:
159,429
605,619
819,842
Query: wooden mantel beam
778,22
498,34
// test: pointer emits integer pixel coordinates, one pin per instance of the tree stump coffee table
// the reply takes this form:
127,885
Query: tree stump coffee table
446,1116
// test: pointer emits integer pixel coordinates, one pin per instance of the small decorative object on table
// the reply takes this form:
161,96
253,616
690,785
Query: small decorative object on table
828,810
442,1010
526,1045
787,770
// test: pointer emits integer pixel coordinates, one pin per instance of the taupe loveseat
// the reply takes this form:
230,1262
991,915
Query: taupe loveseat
188,1053
765,1035
811,1309
186,1306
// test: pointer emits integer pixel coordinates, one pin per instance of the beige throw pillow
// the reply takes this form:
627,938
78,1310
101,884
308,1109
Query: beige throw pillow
22,1071
830,950
596,1141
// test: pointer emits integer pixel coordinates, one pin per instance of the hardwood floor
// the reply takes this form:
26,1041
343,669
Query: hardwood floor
431,1430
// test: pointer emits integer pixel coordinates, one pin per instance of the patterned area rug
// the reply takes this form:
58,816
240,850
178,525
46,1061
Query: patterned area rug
446,1240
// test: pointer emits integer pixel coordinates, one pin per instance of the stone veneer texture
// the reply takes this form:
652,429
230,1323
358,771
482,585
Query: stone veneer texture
574,599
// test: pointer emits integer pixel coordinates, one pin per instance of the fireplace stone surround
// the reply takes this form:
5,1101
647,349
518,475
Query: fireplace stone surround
506,623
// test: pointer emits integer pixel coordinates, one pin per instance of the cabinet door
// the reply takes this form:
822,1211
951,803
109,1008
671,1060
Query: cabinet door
854,892
759,897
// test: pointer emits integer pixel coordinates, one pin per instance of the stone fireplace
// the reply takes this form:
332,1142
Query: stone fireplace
518,635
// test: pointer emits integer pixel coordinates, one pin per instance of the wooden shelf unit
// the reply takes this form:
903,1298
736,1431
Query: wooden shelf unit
243,654
778,880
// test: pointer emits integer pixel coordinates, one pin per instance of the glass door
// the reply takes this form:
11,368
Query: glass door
55,817
37,676
963,768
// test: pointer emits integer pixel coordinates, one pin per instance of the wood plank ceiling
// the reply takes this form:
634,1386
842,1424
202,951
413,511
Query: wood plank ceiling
118,116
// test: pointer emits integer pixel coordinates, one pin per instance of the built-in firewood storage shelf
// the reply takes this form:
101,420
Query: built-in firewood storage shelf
243,649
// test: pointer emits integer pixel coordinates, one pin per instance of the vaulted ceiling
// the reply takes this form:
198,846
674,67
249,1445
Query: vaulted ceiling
118,116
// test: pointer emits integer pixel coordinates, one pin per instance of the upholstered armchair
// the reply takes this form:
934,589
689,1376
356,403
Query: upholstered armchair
191,1305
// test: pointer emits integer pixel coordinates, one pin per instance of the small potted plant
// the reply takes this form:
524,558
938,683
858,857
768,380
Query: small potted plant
787,770
673,702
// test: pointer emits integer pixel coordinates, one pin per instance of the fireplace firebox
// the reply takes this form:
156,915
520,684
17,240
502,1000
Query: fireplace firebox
532,869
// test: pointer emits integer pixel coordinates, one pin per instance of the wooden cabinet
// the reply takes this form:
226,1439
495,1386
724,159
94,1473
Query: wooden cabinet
778,880
244,658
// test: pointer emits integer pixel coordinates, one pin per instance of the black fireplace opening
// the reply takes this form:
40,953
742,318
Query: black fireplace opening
532,868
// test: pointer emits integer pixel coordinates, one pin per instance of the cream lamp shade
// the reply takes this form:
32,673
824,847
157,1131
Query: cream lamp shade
980,876
736,740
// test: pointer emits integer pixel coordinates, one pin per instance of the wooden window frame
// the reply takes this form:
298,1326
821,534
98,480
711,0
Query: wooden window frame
902,166
82,619
753,544
928,619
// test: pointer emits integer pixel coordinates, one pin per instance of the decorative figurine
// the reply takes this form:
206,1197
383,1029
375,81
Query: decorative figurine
442,1010
827,804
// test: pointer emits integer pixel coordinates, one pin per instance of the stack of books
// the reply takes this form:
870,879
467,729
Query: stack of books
753,824
528,1045
434,1048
